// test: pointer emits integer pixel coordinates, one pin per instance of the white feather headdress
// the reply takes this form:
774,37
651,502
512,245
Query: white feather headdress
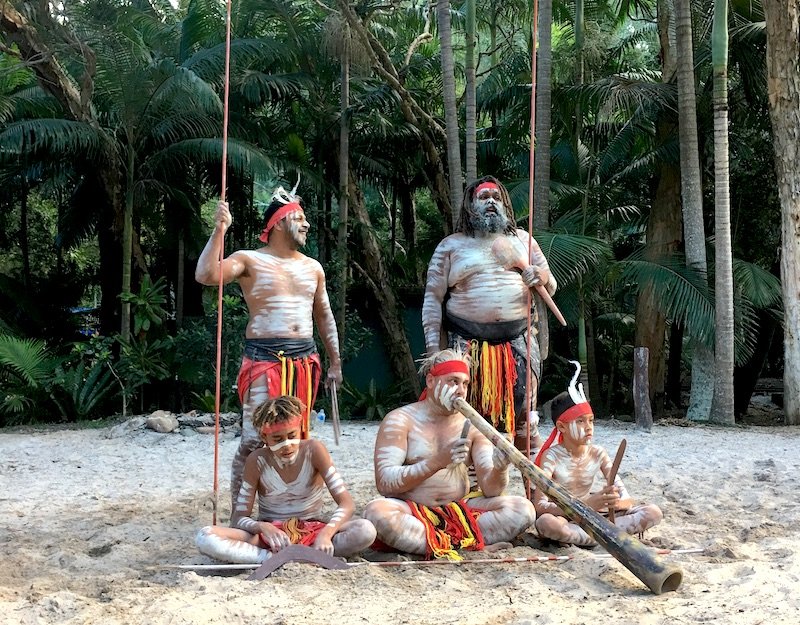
576,393
284,196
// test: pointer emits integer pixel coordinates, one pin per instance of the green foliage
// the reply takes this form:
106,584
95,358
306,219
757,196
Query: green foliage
143,361
372,404
26,367
207,402
81,391
147,305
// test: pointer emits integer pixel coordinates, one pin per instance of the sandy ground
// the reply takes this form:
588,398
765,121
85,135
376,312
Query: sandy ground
88,516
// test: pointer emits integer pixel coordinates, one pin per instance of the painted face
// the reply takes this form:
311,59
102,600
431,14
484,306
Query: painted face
579,431
458,381
490,212
297,227
284,443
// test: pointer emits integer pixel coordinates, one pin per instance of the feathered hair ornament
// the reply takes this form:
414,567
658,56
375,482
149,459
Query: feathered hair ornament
283,202
564,408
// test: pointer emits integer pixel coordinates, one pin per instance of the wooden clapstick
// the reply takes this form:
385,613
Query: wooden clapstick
513,258
612,475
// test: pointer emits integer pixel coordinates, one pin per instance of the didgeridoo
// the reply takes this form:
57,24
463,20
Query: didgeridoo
657,575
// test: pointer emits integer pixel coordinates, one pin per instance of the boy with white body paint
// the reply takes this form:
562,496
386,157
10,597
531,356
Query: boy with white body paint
420,455
579,465
290,477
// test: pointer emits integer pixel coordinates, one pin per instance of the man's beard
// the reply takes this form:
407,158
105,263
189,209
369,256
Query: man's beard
489,222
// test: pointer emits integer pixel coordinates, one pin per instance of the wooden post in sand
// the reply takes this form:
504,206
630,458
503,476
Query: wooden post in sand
641,389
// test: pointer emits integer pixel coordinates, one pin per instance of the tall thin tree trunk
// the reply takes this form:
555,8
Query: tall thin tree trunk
663,225
493,53
344,168
23,237
582,303
722,407
663,237
450,109
471,125
544,70
783,82
180,280
702,386
127,248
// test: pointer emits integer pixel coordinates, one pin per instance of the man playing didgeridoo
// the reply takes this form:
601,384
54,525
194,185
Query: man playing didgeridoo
482,306
290,476
421,453
583,468
285,295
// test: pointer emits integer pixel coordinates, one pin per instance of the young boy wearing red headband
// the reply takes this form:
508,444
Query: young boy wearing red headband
290,477
286,296
421,453
578,464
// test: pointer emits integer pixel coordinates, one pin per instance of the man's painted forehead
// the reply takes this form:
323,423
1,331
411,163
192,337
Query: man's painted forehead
487,189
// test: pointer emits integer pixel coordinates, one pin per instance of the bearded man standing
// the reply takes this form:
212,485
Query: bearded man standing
285,295
476,303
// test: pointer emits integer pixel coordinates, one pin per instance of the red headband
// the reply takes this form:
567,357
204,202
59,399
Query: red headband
449,366
443,368
291,424
486,185
570,414
279,214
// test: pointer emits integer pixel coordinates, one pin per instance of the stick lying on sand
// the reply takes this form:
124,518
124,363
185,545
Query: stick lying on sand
353,565
394,563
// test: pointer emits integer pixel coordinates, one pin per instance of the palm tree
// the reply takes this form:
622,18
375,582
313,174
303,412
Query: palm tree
702,386
722,407
450,108
544,68
783,78
470,112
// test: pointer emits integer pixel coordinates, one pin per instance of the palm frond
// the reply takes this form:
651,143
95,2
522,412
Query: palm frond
27,359
51,136
681,294
572,255
242,157
757,285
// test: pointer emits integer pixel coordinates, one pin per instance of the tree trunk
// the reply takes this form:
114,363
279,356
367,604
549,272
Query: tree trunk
641,394
51,76
450,109
430,130
344,169
663,237
722,406
23,237
702,386
663,227
401,360
180,279
127,249
544,70
783,83
470,123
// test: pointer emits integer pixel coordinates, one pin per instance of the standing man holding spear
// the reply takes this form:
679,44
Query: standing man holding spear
285,295
477,300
